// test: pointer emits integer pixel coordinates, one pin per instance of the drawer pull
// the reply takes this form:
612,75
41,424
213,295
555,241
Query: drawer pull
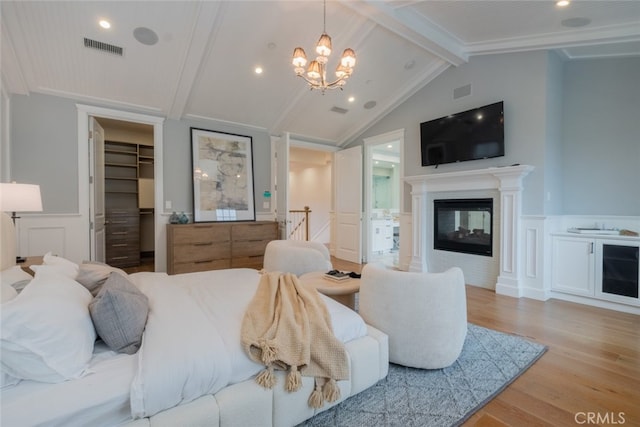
202,261
119,257
203,244
119,245
120,232
118,222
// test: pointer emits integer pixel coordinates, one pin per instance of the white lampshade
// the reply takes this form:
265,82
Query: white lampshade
20,197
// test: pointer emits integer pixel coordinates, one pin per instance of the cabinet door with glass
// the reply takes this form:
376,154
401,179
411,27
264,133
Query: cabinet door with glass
618,271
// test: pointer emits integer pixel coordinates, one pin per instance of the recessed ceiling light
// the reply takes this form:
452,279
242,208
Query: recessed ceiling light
351,98
105,24
389,146
258,70
562,3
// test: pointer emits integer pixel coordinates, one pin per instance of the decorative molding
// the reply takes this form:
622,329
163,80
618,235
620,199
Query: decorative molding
508,180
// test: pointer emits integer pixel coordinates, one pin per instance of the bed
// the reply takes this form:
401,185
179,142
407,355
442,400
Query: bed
190,368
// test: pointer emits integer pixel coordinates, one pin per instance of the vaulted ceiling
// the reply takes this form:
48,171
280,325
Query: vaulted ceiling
202,65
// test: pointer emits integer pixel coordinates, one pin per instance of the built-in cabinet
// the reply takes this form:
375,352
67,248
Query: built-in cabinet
597,267
129,202
382,235
214,246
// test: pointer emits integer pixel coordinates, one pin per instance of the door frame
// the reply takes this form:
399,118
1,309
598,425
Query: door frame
84,112
369,143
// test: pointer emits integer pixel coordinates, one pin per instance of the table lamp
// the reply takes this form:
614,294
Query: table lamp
19,198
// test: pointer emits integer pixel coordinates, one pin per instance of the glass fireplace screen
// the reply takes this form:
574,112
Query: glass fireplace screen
464,225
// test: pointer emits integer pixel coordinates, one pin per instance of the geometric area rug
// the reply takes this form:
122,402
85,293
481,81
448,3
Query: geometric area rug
489,362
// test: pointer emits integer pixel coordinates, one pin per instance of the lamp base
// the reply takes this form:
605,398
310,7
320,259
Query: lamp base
20,259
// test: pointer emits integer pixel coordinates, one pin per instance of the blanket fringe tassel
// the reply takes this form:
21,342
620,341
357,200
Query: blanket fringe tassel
331,391
316,400
294,379
268,348
266,378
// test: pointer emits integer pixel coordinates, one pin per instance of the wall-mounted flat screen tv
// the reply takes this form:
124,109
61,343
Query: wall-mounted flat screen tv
469,135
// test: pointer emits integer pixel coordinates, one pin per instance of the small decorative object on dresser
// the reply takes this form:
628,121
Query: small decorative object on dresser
214,246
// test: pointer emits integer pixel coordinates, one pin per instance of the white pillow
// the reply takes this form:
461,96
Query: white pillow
7,293
46,331
64,266
15,277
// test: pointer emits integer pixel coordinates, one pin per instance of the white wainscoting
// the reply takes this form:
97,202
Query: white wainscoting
65,235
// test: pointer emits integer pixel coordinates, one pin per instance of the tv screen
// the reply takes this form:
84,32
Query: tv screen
469,135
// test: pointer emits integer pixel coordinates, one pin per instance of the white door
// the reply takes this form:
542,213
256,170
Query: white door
348,205
96,191
281,147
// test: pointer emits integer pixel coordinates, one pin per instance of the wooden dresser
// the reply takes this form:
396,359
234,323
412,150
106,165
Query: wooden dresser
214,246
122,237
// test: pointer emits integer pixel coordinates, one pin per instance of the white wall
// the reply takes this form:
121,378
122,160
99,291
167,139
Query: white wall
310,185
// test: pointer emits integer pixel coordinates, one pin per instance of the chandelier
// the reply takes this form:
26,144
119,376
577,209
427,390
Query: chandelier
316,74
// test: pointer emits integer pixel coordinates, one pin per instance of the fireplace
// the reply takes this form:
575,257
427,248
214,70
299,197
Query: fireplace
463,225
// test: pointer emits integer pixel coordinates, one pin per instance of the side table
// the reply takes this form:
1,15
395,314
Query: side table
31,260
343,291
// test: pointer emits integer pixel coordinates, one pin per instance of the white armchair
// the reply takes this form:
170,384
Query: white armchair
296,256
424,314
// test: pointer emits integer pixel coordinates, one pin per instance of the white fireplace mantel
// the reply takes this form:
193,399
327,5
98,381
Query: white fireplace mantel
508,180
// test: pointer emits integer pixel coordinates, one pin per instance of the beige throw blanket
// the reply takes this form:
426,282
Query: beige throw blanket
287,327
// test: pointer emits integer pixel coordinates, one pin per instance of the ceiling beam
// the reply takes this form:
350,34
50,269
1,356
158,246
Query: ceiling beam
412,27
203,34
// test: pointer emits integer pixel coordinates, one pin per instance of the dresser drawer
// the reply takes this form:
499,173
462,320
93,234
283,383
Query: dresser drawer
200,234
204,265
201,251
260,231
248,248
248,262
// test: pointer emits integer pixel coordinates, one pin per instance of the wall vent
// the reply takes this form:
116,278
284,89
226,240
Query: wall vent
103,47
461,91
339,110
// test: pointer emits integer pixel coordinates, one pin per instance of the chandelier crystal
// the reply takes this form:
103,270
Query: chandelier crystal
316,73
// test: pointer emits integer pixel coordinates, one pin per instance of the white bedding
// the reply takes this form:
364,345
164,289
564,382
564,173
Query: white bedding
191,346
100,398
201,317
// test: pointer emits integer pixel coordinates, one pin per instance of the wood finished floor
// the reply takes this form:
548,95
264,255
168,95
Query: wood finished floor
591,368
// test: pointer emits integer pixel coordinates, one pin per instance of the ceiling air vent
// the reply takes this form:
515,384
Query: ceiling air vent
339,110
103,47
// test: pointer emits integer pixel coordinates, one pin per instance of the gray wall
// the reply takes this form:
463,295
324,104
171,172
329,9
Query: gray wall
601,135
177,160
557,116
44,150
520,80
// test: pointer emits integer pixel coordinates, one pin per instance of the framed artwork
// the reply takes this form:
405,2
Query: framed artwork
222,176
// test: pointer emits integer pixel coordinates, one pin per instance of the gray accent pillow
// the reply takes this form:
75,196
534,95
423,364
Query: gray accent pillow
93,274
119,313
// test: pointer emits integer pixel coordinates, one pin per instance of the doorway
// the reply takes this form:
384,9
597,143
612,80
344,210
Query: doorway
128,193
383,184
85,187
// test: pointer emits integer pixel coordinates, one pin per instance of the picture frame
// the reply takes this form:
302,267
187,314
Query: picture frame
222,165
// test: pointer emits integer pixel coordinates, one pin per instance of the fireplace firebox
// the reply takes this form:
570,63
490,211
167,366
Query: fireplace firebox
463,225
